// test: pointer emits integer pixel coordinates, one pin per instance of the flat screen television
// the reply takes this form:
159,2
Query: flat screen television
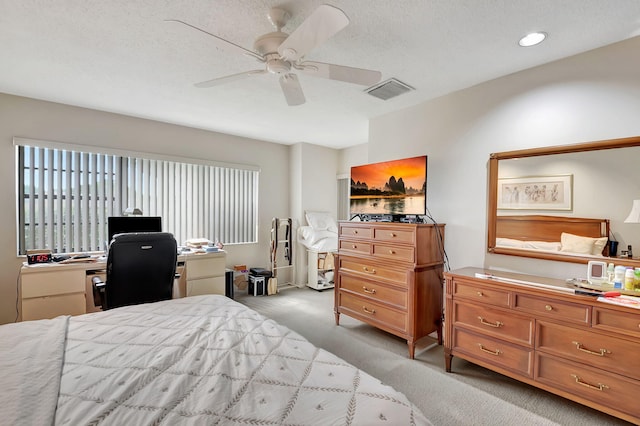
394,188
128,224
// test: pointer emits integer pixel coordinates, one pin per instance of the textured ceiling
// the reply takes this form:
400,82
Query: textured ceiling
120,56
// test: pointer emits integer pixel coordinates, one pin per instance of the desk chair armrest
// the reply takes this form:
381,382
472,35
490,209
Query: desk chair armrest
98,291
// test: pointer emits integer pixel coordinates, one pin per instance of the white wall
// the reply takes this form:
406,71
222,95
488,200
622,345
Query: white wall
588,97
34,119
315,190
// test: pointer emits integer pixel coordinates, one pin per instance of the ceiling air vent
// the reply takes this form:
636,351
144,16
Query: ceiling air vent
389,89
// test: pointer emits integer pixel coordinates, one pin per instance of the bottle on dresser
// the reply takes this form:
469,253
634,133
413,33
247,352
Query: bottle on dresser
629,279
618,279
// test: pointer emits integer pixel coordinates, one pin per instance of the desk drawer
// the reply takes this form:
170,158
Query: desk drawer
55,282
501,324
213,285
494,351
598,350
369,311
204,267
52,306
374,291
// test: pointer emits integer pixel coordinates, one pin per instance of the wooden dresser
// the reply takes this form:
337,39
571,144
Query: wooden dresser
572,345
390,275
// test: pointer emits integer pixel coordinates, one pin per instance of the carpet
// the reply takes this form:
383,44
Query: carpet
469,395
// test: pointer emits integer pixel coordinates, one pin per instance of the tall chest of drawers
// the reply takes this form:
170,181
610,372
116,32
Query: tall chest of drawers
532,329
390,275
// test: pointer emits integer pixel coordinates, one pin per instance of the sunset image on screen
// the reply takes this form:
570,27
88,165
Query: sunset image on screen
391,187
411,170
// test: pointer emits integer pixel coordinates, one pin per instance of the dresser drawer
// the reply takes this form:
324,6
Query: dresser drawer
497,323
493,351
212,285
607,389
354,246
560,310
374,291
619,322
405,236
354,232
388,251
598,350
481,294
373,271
369,311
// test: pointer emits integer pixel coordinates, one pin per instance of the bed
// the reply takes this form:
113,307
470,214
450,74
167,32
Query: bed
196,360
560,235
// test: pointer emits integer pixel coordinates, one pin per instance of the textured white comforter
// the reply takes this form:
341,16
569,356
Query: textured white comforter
210,360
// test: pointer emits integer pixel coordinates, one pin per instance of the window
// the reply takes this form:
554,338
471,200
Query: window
66,196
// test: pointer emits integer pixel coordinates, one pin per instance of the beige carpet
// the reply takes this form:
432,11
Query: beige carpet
470,395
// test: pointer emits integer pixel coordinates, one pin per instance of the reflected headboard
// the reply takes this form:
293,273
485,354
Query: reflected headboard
549,228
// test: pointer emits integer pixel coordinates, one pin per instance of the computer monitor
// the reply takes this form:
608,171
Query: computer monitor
128,224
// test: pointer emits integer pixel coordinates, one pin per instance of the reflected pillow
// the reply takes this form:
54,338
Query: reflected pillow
582,245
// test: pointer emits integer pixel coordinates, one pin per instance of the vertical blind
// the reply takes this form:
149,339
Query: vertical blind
65,198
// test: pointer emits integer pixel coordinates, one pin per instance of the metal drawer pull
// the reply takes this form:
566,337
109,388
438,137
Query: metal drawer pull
598,387
372,311
353,246
392,234
355,231
370,291
370,271
580,347
497,324
483,349
479,293
392,252
548,307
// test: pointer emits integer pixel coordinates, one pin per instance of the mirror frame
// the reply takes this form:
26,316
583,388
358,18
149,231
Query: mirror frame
492,206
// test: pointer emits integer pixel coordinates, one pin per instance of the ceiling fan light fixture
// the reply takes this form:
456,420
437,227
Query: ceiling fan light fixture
532,39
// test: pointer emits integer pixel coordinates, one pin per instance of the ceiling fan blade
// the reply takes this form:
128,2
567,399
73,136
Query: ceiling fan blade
341,72
224,44
321,25
229,78
292,89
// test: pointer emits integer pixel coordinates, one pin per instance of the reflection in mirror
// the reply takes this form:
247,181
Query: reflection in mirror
584,190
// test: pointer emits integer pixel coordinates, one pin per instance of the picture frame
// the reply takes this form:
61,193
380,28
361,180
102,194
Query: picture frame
536,193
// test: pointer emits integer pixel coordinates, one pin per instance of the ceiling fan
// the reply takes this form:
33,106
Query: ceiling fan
282,53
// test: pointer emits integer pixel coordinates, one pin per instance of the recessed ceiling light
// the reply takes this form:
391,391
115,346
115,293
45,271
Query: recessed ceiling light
532,39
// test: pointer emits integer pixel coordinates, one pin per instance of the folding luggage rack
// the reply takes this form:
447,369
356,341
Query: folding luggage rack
282,251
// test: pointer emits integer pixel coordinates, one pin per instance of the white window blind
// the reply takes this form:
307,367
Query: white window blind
65,198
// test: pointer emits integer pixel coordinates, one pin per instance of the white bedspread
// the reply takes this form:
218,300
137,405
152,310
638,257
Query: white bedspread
31,355
210,360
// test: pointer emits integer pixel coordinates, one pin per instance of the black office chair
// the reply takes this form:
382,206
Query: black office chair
141,268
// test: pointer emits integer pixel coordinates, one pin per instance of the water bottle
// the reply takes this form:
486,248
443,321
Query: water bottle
618,277
610,273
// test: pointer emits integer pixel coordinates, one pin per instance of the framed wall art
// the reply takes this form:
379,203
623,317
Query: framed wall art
536,193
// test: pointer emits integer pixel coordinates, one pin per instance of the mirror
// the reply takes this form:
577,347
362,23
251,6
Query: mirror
598,180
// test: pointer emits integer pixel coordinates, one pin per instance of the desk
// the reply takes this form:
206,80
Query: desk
53,289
